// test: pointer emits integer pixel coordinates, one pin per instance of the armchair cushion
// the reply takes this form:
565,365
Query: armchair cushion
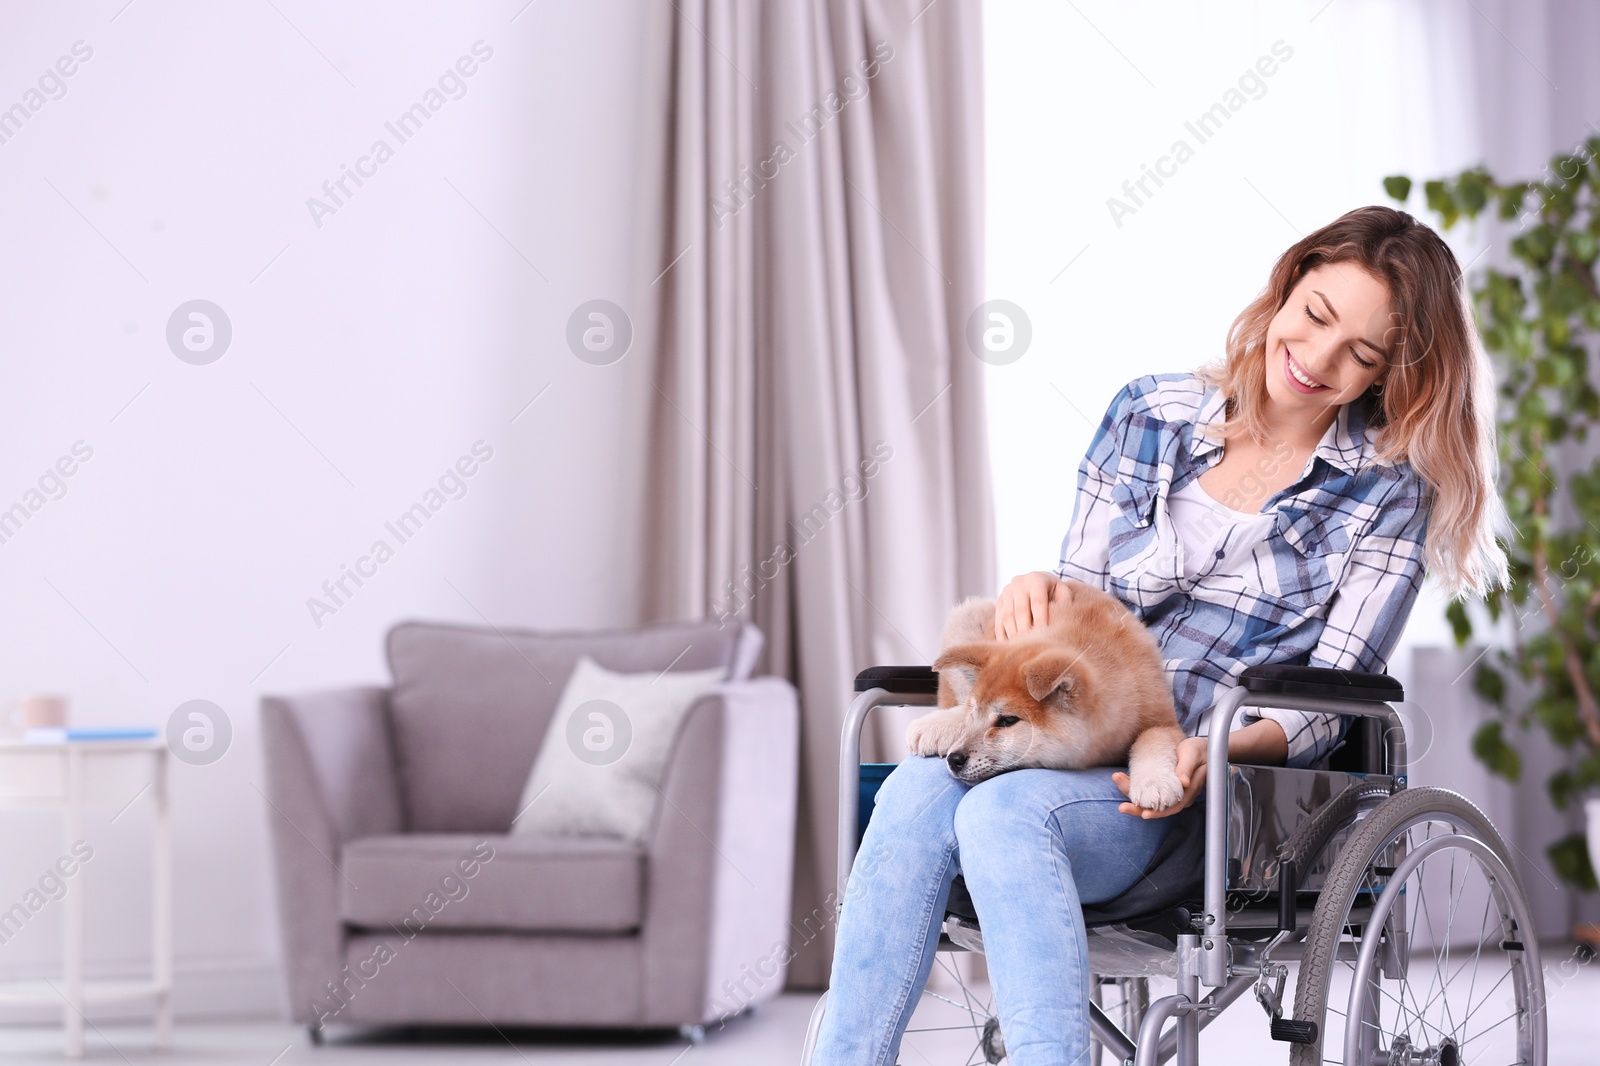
470,705
600,769
417,883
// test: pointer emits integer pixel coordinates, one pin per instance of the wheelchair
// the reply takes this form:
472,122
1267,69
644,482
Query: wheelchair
1401,906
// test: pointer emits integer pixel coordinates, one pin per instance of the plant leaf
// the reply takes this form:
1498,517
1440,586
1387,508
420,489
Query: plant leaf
1471,193
1570,857
1488,683
1489,745
1562,788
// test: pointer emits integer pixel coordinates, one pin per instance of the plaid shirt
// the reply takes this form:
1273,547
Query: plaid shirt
1332,584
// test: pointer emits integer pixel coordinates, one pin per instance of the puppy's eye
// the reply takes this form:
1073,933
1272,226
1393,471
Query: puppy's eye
1006,720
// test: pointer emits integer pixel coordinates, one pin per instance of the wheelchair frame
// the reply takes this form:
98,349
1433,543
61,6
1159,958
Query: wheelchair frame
1206,956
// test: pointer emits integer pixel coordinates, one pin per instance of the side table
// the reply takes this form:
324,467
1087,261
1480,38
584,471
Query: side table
74,775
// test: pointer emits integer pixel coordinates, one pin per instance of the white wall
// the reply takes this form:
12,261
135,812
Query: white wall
371,353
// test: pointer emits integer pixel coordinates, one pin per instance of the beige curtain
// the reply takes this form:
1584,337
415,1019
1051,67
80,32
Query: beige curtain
817,442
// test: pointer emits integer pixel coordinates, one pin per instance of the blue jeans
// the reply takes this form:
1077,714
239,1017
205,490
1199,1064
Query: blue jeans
1033,846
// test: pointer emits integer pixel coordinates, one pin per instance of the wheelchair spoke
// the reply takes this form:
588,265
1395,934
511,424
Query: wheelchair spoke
953,971
1406,989
1473,962
947,1017
967,993
946,999
1427,915
1449,942
1444,1010
1457,1020
1513,966
1419,1010
1400,1006
1498,1024
1477,955
1402,1011
950,967
1491,991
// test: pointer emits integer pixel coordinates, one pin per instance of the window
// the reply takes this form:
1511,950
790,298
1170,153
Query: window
1144,174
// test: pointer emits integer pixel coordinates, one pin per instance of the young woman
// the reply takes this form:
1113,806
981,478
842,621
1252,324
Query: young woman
1279,506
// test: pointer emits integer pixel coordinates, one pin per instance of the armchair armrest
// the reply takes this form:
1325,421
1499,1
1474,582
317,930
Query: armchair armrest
721,856
330,778
333,749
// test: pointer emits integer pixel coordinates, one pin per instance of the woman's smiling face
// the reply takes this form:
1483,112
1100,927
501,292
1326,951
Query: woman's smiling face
1330,331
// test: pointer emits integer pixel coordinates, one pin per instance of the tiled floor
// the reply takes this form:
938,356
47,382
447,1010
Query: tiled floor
772,1036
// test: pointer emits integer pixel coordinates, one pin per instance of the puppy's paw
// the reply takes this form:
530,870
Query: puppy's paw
935,733
1155,791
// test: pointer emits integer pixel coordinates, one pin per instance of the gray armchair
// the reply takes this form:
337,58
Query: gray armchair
384,801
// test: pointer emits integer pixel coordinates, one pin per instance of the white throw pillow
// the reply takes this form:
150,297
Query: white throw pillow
605,752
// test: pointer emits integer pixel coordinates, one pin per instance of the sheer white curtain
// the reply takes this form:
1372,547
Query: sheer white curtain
1083,98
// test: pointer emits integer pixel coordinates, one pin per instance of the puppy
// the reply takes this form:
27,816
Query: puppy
1089,689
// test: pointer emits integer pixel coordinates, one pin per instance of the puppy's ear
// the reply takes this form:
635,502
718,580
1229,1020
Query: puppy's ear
1053,673
960,665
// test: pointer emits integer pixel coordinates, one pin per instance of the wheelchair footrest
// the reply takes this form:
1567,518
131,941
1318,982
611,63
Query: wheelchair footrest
1293,1032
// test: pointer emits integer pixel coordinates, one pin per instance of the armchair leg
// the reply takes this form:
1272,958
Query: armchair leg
315,1032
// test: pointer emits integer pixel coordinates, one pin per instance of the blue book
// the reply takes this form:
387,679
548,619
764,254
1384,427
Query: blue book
57,736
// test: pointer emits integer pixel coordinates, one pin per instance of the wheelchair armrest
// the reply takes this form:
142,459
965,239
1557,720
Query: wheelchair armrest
922,680
1323,681
876,686
1286,679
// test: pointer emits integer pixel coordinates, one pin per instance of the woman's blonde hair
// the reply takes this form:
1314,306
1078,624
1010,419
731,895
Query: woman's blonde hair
1436,407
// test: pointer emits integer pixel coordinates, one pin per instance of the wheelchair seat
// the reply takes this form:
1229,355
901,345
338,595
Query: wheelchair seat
1174,876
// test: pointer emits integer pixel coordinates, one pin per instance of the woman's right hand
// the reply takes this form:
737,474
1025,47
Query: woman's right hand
1026,602
1191,773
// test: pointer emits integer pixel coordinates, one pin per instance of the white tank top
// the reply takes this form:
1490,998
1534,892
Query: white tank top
1213,537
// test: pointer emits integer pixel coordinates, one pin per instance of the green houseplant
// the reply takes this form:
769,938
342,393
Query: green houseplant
1539,316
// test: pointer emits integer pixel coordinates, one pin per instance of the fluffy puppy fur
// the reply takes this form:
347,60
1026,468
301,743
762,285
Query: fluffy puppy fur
1089,689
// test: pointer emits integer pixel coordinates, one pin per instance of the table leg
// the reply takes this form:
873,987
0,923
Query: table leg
162,926
73,1012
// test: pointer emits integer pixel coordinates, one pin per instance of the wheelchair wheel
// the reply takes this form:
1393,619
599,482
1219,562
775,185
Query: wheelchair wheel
1124,999
961,1023
943,1027
812,1028
1421,949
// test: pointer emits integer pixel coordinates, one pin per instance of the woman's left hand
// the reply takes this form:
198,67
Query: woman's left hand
1191,771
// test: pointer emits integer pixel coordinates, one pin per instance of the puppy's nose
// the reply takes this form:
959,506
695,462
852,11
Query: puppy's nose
956,760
